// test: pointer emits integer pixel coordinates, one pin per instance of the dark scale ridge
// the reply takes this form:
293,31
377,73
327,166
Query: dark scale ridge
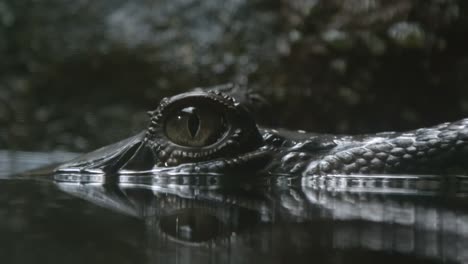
417,151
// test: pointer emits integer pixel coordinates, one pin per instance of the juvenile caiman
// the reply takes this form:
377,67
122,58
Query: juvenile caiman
212,131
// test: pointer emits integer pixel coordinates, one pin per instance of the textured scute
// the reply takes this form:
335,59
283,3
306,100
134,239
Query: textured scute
295,161
418,151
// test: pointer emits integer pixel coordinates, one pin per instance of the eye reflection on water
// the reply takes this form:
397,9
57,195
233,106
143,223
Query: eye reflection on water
358,219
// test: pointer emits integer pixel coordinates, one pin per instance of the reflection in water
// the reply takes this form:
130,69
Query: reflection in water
421,217
214,219
191,225
424,225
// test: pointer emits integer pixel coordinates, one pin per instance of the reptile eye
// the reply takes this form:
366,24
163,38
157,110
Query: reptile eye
199,126
194,126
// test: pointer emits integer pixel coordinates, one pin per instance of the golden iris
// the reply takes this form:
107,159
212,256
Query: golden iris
194,126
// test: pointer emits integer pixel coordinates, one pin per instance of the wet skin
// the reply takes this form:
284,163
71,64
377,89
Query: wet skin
202,135
212,131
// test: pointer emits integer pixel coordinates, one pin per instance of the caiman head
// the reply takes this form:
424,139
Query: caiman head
213,132
204,131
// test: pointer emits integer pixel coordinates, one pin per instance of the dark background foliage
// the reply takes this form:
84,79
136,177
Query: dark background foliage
76,74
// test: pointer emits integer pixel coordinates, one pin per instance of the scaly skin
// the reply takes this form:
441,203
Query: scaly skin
246,147
436,149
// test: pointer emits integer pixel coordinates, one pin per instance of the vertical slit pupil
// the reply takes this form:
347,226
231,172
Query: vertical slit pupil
193,124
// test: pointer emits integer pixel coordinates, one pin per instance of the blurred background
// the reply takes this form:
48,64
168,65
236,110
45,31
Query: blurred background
78,74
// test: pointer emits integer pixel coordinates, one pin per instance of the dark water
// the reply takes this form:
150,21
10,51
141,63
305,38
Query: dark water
72,219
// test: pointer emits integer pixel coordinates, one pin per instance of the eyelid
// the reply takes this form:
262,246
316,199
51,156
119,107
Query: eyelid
238,133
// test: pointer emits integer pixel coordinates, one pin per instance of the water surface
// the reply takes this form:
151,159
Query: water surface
73,219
